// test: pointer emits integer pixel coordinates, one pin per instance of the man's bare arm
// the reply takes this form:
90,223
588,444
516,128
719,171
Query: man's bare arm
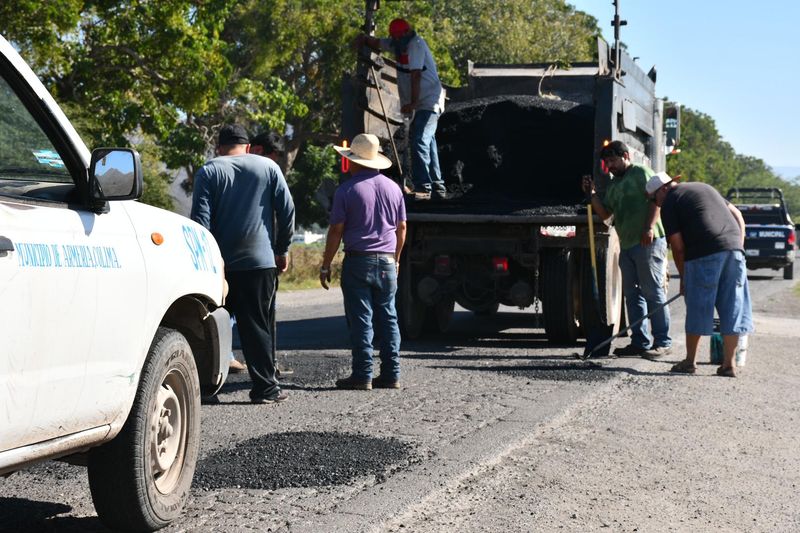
332,242
678,254
401,239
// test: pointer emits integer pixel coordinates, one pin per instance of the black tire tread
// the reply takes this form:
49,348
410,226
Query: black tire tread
555,283
115,478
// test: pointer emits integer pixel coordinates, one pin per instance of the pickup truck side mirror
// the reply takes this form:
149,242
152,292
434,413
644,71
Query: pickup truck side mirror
115,174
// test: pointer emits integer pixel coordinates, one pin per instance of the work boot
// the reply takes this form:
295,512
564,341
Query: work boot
380,383
276,397
441,195
422,195
350,383
655,354
629,351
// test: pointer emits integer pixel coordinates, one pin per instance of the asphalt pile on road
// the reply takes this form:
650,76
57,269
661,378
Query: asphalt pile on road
515,154
300,459
554,371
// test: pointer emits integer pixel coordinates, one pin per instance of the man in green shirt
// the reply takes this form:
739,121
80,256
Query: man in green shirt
643,253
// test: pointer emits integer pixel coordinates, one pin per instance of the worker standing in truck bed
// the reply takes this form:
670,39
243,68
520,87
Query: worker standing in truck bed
422,97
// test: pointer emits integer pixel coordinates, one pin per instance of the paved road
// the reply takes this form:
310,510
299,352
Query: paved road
494,429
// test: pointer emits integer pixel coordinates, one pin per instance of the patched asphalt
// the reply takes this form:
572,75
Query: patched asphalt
300,459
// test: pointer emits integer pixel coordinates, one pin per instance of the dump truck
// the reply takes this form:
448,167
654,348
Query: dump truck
770,240
514,143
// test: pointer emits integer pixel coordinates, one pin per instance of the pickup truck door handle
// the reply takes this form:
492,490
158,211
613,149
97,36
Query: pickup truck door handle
6,245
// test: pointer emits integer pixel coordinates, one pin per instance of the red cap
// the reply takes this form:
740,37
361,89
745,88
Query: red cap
398,28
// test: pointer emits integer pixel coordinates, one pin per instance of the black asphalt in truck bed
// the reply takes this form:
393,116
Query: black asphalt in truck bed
514,155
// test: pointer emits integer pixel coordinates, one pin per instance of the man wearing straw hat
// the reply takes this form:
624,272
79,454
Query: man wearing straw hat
368,213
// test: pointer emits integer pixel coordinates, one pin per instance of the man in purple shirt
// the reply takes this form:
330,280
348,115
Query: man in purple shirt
369,215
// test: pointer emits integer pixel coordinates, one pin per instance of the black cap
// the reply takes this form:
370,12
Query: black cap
271,142
232,134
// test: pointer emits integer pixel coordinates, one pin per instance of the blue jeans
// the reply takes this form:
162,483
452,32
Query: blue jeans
717,280
369,284
643,270
424,152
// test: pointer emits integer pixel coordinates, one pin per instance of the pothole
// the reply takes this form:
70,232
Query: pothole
300,459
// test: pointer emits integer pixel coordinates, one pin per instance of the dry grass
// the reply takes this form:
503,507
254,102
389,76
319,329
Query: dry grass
304,263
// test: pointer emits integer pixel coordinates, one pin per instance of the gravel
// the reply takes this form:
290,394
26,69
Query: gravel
545,370
514,154
300,459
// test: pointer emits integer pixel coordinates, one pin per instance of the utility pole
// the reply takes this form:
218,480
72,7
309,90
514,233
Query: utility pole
617,22
371,6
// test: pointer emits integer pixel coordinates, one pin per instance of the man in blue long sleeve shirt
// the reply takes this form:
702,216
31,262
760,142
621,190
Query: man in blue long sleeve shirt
244,201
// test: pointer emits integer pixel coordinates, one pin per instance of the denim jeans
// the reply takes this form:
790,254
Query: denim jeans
424,152
369,284
717,281
643,270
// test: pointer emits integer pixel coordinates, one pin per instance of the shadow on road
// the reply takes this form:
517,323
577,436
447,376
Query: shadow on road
19,514
578,371
327,333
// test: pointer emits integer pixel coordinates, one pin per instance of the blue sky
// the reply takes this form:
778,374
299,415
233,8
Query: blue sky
737,61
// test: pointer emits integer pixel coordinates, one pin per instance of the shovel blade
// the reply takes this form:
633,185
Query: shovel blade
594,338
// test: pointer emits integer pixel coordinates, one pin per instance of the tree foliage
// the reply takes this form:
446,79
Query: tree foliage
172,72
705,156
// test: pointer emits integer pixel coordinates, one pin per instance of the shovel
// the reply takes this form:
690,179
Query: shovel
595,334
588,352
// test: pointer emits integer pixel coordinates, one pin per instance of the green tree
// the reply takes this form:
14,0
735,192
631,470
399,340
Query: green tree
706,157
315,164
174,71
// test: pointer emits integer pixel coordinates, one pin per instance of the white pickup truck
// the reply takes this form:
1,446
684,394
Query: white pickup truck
111,324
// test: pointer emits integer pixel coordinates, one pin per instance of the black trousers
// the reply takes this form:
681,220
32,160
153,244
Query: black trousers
251,298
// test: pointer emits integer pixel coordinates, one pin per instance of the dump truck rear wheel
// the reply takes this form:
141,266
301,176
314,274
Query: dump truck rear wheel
411,311
558,285
443,313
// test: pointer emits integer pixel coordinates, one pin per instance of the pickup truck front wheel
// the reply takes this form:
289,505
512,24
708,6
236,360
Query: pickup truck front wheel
788,272
141,479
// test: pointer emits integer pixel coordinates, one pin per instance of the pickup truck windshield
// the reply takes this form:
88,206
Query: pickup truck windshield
26,154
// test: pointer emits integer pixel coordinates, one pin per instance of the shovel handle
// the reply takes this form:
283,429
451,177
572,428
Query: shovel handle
630,326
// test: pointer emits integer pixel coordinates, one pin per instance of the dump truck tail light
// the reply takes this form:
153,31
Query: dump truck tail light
500,264
442,265
345,161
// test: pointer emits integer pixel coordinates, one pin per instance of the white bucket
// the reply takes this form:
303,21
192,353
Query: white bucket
741,351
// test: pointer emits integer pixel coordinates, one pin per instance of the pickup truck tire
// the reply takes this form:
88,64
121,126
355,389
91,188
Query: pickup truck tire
558,285
788,272
141,479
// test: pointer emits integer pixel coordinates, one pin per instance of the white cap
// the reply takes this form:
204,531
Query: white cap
656,182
